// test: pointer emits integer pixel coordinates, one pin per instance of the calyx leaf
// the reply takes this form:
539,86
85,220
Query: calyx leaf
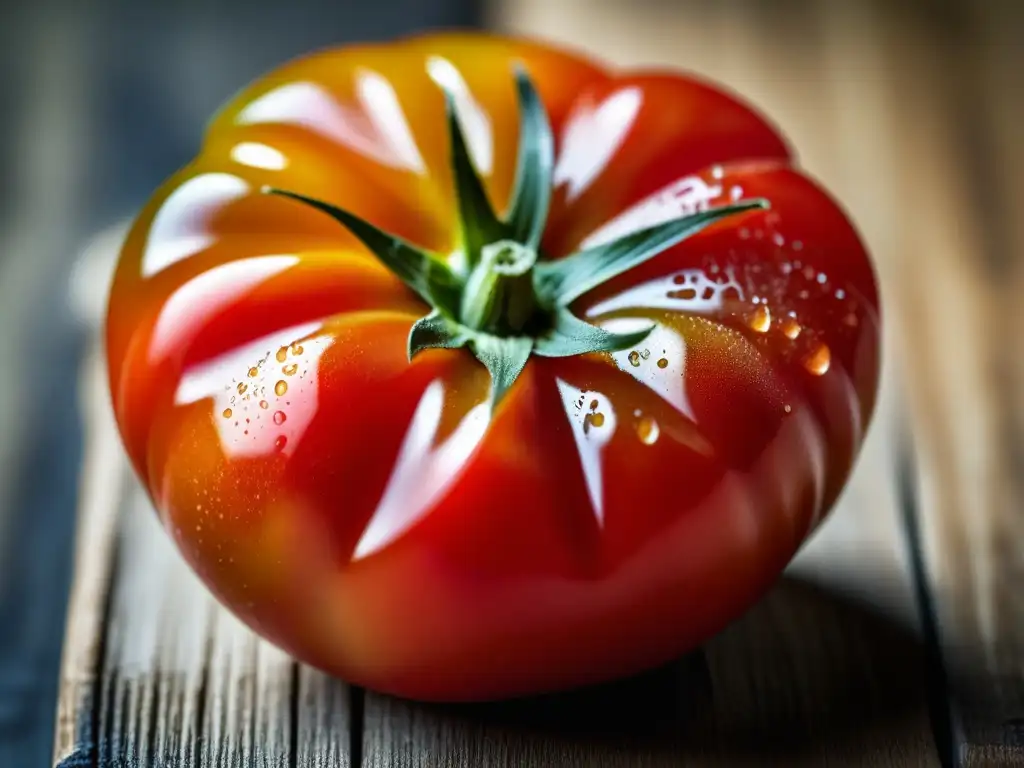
569,335
420,270
531,193
479,223
435,331
559,283
504,357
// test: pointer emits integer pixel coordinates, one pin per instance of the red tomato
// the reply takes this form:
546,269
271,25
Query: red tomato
410,525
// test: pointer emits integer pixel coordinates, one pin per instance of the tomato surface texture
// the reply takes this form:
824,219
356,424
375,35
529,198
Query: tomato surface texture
490,505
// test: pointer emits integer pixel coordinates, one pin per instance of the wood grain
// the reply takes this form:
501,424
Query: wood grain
962,168
103,477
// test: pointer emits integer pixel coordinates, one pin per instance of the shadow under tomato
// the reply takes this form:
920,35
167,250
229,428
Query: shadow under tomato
806,673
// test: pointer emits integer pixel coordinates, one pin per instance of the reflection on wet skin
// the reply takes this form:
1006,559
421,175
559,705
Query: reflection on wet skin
423,471
199,300
375,126
592,418
264,395
180,228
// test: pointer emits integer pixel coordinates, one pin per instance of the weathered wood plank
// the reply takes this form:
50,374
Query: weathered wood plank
103,478
828,669
325,717
962,168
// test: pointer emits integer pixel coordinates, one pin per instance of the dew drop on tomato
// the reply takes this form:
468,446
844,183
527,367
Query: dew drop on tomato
647,430
819,360
761,320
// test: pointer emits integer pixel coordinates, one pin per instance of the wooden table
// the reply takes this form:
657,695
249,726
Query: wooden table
896,638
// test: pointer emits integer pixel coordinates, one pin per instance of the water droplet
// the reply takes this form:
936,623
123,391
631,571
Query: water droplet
634,359
778,239
647,430
851,320
786,267
819,360
264,404
717,172
280,388
736,193
592,420
809,272
744,233
822,279
282,354
663,363
645,354
242,386
761,320
840,293
797,245
227,413
279,417
687,294
254,372
290,369
788,408
791,328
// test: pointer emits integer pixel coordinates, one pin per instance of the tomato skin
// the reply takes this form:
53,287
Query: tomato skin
365,512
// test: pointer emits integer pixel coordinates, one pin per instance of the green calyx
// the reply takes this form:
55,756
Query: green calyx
509,301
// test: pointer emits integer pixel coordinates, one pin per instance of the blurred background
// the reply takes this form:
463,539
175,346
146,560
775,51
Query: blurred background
910,111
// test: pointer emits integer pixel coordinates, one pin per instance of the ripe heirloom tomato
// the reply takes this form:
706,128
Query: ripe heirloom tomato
463,367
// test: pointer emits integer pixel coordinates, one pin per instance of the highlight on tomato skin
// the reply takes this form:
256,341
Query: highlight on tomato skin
463,367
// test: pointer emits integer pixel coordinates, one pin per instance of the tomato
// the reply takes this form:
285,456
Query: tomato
464,367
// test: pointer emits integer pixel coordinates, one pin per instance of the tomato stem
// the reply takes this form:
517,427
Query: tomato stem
499,295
